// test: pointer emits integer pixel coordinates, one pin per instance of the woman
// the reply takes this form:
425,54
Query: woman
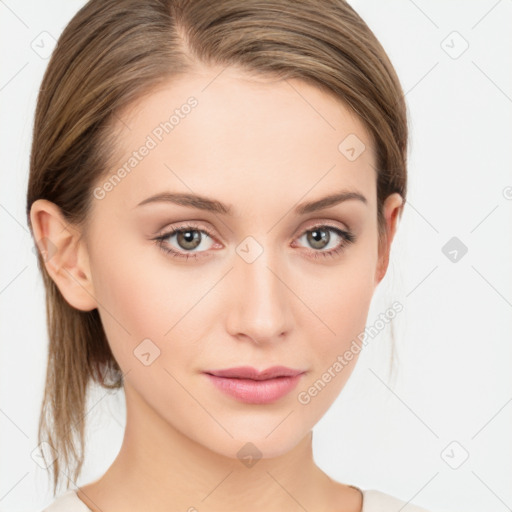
214,190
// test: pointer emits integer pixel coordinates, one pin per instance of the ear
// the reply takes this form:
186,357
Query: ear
392,207
64,253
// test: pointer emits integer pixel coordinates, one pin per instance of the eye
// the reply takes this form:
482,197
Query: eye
188,237
319,237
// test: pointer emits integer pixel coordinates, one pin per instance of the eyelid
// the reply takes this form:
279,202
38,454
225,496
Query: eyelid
324,222
200,226
183,226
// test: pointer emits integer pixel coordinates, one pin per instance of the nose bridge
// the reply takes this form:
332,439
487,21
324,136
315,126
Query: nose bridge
260,307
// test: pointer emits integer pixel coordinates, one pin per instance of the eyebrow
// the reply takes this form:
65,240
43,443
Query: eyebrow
212,205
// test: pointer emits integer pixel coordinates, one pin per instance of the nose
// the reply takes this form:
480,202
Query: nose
260,302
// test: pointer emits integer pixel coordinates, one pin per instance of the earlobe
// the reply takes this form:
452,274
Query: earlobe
64,254
392,207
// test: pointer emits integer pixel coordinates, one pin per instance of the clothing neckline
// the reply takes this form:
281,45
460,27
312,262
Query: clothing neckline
73,493
362,496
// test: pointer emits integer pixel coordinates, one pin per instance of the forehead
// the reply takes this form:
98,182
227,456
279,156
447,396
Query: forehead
222,133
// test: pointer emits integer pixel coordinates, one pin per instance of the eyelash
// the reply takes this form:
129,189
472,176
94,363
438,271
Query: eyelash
347,239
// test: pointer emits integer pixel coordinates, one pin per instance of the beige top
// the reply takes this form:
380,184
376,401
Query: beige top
373,501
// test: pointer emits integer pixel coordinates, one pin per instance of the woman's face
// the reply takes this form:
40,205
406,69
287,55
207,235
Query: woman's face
256,278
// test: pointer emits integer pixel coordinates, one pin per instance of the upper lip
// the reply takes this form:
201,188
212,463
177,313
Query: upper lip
248,372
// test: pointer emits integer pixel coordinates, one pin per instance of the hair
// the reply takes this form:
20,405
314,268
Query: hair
114,52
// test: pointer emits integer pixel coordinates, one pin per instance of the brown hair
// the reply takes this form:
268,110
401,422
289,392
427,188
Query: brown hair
112,53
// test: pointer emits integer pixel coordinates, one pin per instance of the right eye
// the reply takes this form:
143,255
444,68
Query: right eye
188,237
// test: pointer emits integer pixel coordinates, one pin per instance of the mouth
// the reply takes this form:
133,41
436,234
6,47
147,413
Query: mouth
248,372
247,384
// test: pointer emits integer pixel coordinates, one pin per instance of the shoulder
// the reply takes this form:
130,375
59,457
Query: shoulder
377,501
67,502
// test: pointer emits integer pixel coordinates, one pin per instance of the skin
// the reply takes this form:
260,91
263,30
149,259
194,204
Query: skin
262,146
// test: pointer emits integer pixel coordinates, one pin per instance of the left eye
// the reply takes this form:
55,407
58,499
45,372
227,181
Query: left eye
319,237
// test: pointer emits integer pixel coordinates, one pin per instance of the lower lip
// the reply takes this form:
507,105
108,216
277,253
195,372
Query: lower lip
256,391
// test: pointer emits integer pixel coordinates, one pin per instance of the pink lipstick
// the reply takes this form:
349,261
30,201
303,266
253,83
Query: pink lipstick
256,387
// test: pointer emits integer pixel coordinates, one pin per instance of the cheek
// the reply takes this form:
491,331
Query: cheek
347,301
141,297
342,295
344,309
341,299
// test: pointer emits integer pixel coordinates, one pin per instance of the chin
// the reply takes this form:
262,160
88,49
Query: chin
253,444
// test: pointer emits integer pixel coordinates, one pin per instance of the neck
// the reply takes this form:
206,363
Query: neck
159,468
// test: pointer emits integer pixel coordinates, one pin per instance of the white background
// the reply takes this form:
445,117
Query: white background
454,380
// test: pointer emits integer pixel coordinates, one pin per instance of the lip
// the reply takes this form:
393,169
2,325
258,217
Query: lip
249,385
